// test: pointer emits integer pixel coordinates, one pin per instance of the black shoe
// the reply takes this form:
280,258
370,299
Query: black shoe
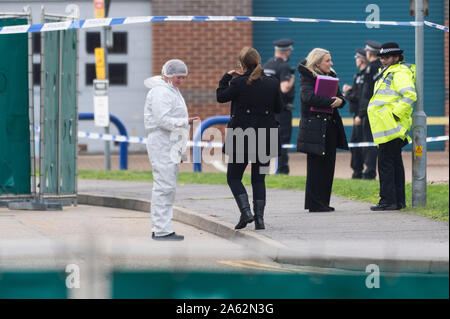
401,206
383,207
321,210
172,236
356,176
258,210
368,177
244,208
331,208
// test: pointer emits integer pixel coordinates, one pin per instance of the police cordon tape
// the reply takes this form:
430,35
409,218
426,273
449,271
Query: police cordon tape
93,23
143,140
436,26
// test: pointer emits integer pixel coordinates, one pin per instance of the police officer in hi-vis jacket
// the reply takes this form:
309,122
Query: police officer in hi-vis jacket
389,112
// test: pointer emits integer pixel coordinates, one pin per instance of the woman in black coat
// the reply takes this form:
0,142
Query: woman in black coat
320,133
252,133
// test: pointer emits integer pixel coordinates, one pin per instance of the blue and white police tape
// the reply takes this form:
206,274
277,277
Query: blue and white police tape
367,144
93,23
436,26
141,140
113,138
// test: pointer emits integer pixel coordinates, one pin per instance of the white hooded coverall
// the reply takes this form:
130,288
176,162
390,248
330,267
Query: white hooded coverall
166,121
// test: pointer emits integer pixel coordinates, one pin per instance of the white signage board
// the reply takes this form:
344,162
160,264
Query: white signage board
101,103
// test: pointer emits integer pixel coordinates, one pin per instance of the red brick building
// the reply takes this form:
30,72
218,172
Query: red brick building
209,48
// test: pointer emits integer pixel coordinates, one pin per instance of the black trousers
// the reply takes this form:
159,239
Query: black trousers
320,172
369,153
285,131
235,172
357,159
391,173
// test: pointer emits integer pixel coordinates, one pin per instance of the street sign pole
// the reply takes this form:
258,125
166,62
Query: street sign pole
419,131
100,11
107,143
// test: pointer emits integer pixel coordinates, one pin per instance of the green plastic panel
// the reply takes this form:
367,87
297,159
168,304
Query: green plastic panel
69,112
33,285
51,112
60,119
215,285
14,112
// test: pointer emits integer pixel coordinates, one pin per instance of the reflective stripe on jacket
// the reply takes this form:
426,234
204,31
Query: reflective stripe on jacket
394,94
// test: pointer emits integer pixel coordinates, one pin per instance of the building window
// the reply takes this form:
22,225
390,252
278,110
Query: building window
120,42
92,41
36,73
90,73
117,73
36,42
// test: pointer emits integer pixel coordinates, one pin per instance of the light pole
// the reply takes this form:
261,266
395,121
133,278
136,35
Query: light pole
419,131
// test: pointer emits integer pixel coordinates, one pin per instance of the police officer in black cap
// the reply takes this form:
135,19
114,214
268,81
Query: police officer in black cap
390,111
279,68
353,94
371,72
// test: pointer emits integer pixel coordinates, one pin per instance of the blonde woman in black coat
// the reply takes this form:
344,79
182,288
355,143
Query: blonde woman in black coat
320,133
255,98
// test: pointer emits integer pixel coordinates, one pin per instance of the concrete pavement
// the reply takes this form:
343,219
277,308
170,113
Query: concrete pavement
352,237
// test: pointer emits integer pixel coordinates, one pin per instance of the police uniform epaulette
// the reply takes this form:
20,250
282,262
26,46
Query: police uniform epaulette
380,73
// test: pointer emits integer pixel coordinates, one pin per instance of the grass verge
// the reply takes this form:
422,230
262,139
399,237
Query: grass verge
360,190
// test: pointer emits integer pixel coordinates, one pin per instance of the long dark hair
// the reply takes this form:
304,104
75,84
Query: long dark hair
251,60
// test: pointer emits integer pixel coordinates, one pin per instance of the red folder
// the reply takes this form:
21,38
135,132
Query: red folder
326,86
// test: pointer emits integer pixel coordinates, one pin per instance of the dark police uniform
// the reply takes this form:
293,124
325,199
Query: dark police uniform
353,96
281,70
369,153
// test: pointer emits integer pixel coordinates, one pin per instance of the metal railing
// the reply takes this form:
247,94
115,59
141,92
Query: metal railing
123,161
197,150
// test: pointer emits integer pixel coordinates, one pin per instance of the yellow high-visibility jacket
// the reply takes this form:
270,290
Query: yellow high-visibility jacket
394,94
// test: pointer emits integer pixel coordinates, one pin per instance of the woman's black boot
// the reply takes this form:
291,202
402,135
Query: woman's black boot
258,209
244,208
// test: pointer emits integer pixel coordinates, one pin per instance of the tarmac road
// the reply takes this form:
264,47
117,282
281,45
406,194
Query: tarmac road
99,239
126,234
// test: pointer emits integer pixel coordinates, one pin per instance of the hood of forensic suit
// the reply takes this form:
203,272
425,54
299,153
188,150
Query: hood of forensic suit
155,81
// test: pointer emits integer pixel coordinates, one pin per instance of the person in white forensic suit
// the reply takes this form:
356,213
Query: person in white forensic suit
167,124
